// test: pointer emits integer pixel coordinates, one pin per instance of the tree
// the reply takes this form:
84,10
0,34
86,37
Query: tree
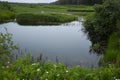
77,2
102,24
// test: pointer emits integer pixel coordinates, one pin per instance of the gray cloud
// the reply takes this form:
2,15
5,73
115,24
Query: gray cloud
30,1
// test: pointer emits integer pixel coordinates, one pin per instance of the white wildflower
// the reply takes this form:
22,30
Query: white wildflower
46,79
38,69
66,71
47,72
33,64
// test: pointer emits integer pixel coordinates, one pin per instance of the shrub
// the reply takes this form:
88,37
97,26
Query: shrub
103,23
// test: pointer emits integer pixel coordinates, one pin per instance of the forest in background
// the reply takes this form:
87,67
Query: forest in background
78,2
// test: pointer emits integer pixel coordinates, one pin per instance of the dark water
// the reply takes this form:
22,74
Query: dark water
67,41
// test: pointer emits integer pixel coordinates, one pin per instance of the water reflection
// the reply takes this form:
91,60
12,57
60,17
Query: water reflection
65,41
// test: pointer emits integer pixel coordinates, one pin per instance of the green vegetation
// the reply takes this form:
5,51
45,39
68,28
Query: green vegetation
102,24
6,12
78,2
6,16
44,18
9,11
105,24
20,8
5,6
24,70
6,48
113,51
103,28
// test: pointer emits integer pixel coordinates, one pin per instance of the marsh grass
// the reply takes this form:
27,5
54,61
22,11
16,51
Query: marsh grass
6,16
44,18
50,8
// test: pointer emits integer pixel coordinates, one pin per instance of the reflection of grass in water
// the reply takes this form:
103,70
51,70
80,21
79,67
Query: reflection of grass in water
44,18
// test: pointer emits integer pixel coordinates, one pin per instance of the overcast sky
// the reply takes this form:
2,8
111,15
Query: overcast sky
30,1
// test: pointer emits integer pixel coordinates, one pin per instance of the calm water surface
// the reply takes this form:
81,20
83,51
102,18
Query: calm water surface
67,41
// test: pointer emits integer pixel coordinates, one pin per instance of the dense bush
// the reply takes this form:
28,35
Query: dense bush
102,24
44,18
113,51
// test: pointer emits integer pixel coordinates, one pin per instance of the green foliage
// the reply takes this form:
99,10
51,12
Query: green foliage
103,23
20,70
6,43
5,6
113,51
6,12
44,18
6,47
6,16
77,2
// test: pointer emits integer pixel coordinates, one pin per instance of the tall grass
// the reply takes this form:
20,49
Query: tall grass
44,18
6,16
6,12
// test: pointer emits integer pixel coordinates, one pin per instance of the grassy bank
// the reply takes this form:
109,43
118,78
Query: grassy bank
24,70
6,12
6,16
44,18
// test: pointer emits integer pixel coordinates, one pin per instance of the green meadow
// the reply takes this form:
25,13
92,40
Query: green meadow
20,8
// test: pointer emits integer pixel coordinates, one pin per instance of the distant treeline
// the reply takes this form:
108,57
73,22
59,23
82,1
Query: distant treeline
77,2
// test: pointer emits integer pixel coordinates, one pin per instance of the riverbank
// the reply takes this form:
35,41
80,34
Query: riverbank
23,69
